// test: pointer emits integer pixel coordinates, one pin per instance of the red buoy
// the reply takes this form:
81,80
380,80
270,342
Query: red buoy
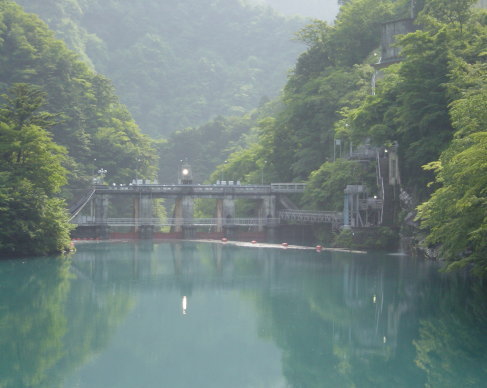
285,245
254,242
224,239
318,248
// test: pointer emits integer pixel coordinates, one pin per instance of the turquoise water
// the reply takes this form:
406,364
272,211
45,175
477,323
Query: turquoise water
145,315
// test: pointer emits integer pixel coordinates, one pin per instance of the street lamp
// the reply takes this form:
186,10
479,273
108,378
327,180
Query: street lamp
102,172
185,175
93,179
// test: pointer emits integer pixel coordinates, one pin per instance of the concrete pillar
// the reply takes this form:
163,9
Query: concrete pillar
101,203
394,178
143,216
183,212
225,212
346,212
268,210
219,215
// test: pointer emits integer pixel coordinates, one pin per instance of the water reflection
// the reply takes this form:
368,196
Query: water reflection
452,338
239,317
32,322
49,324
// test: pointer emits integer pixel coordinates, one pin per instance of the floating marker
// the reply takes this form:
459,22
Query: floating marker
254,242
318,248
285,245
224,239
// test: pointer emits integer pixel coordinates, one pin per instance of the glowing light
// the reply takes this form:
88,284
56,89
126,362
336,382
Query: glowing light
374,299
384,339
185,171
184,304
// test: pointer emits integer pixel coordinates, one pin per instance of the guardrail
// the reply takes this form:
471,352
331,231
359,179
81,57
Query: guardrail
273,188
288,187
309,216
87,220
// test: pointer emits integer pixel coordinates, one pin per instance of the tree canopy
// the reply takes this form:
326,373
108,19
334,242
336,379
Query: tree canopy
32,220
432,104
90,121
59,123
178,64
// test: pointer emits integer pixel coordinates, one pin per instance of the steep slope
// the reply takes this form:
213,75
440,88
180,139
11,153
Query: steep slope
179,63
90,122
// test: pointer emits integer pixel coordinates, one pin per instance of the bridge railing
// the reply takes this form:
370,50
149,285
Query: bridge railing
87,220
288,187
205,189
371,203
309,216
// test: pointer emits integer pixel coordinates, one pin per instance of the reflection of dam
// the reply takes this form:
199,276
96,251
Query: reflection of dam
356,299
179,268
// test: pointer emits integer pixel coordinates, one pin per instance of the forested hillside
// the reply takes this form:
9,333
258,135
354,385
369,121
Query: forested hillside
432,104
59,123
179,63
59,116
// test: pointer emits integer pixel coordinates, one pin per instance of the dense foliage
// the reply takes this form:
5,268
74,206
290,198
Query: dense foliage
91,123
432,104
86,128
456,213
32,221
179,63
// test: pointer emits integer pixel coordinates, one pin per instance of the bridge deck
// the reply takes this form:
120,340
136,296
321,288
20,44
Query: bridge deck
202,190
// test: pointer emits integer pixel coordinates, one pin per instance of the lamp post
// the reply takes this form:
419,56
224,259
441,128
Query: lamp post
102,172
93,180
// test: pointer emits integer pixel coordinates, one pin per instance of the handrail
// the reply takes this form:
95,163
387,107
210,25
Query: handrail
88,220
311,216
205,189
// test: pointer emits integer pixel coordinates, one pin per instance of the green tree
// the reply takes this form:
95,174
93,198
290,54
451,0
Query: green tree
325,187
455,215
178,65
83,102
32,219
455,12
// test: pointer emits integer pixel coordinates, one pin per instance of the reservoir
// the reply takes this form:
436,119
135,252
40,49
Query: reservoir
189,314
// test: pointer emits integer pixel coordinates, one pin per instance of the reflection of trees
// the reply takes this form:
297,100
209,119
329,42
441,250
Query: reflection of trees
51,321
32,322
338,323
453,338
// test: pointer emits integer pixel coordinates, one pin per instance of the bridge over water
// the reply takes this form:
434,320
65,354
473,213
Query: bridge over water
274,208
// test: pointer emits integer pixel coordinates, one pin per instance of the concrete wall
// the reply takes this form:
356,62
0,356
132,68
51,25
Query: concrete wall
390,30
